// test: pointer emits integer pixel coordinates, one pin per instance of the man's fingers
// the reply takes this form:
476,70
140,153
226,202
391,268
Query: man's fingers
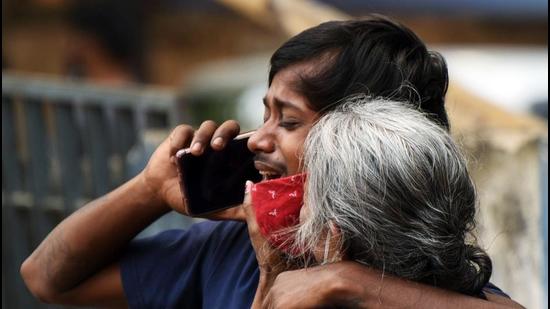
202,137
208,134
180,138
226,132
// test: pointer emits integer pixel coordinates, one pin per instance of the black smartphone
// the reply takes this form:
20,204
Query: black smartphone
216,180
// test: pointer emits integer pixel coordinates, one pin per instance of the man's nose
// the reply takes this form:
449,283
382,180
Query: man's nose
262,141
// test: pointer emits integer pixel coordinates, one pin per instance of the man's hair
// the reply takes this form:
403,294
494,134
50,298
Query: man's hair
375,56
398,189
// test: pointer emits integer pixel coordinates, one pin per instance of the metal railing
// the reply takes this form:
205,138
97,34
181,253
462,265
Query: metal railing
63,144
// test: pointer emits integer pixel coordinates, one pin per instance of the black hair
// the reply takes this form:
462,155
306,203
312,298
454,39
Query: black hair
375,56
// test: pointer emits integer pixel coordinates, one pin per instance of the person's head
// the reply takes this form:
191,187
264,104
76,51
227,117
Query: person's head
397,189
107,31
316,69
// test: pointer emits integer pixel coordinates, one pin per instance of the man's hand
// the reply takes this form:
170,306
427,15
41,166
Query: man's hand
160,175
320,286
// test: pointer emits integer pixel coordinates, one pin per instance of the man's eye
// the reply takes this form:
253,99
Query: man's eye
289,125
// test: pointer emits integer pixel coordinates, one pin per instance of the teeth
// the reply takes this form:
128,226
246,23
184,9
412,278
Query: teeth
268,175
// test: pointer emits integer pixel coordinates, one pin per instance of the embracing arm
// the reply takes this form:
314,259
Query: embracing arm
351,285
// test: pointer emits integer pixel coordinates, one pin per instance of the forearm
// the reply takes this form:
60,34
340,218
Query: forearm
91,237
373,290
408,295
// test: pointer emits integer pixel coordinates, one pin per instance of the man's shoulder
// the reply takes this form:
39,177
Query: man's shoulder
214,229
220,226
204,233
223,236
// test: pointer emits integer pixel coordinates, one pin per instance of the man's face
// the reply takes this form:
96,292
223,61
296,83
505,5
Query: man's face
278,143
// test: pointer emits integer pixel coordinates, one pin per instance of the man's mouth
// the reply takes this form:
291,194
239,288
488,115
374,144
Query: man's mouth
268,175
268,171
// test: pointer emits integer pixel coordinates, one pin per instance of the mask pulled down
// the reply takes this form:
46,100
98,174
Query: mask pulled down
277,204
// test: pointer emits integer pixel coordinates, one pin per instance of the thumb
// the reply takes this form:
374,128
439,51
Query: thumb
247,193
247,202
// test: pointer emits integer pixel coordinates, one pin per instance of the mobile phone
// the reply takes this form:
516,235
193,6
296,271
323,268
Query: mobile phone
216,180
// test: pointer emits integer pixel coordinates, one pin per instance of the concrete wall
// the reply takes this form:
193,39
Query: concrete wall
505,158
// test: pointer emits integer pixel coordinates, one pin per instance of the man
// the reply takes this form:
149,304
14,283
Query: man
89,258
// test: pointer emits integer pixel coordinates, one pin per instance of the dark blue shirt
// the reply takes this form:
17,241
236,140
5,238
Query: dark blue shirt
212,265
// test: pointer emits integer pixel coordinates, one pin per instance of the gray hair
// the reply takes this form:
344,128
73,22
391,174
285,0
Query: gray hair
398,189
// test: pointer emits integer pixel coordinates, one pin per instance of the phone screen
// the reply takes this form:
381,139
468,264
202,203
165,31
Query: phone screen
216,179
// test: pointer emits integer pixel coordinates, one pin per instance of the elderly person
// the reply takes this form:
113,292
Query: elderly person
388,188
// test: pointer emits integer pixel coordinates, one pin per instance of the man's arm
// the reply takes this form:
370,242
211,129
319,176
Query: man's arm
87,241
77,262
351,285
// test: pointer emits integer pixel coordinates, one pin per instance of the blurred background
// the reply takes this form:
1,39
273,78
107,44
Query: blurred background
90,88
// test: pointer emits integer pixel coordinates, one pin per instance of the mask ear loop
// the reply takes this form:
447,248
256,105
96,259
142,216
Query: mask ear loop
327,248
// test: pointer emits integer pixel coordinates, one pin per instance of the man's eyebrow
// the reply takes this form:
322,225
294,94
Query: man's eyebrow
282,104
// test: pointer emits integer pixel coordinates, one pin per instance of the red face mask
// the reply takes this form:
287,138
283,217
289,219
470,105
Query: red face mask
277,205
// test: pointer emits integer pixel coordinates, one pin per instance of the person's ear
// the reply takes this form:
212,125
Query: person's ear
333,251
